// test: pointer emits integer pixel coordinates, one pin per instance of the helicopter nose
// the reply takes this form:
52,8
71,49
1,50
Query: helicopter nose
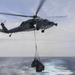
55,24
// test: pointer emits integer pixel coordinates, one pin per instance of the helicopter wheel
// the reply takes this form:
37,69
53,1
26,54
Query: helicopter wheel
42,31
10,35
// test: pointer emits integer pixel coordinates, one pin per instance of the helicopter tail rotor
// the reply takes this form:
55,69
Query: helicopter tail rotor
3,26
2,22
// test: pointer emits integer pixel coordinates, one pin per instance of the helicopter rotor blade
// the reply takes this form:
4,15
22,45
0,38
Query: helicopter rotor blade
14,14
40,5
57,16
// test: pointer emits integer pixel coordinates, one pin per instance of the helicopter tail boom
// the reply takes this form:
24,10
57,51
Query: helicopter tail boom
1,30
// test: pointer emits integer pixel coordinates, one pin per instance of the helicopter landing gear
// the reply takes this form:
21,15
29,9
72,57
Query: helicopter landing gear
43,31
10,35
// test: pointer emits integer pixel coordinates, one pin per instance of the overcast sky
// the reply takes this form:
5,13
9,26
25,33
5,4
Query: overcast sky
56,41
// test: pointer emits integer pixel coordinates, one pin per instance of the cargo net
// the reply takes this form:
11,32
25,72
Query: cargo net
36,62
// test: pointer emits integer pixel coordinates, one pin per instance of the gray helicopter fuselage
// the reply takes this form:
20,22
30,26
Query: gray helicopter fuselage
30,25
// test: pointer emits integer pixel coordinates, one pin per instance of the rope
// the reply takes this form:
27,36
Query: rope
36,49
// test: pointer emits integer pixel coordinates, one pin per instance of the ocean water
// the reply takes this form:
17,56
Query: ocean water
22,66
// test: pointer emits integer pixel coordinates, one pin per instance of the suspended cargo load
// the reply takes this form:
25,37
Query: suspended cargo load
36,62
39,67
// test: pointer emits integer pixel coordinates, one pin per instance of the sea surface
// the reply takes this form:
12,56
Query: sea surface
22,66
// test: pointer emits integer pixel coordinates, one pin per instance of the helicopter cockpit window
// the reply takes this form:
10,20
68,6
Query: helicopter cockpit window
45,20
23,23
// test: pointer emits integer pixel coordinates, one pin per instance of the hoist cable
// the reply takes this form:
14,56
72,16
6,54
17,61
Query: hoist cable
36,49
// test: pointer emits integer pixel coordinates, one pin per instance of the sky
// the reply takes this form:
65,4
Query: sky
56,41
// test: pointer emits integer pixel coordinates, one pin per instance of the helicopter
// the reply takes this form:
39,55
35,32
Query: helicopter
35,23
